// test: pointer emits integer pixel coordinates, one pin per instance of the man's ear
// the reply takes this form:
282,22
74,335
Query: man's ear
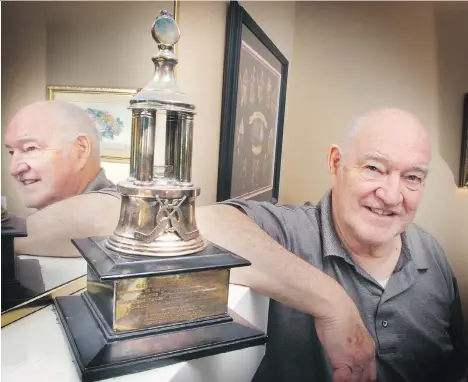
84,148
334,159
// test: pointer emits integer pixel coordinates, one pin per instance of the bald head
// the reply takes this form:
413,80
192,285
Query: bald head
54,148
400,124
62,120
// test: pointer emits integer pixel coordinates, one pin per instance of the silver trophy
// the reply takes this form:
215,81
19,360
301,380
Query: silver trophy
157,216
157,292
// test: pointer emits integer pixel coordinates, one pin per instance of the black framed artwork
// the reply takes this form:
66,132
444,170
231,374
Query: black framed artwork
253,106
463,182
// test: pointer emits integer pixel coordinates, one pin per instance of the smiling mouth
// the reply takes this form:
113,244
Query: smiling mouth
380,212
28,182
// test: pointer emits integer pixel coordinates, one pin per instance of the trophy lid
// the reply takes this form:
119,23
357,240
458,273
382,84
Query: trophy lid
163,88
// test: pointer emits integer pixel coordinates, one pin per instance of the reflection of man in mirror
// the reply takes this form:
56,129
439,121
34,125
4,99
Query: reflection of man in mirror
54,149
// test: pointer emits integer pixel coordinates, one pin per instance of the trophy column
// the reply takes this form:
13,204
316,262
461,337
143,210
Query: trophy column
157,291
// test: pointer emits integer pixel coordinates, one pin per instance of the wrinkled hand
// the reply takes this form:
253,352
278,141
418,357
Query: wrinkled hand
347,343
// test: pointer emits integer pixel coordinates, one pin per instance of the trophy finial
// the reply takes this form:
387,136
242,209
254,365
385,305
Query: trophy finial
165,30
163,87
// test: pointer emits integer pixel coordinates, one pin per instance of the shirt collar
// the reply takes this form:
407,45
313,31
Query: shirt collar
333,246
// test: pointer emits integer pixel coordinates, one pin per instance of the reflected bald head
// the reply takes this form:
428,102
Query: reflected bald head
388,123
61,119
54,150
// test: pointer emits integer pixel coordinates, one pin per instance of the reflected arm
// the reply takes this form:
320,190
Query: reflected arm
51,229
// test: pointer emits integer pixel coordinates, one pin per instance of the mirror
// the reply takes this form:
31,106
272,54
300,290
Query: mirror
79,45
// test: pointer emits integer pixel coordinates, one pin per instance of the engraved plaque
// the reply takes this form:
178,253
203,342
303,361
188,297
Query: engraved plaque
151,301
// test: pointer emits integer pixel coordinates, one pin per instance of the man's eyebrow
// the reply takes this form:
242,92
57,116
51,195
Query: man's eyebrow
383,158
376,156
28,138
421,168
25,139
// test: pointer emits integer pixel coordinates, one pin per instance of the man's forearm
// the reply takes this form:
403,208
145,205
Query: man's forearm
274,272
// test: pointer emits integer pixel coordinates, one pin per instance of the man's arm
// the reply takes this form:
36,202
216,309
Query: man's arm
51,229
279,274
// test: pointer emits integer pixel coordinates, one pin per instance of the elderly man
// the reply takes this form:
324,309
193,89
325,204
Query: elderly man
358,291
54,148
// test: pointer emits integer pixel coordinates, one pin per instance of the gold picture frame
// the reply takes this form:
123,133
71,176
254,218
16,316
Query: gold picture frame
109,109
41,301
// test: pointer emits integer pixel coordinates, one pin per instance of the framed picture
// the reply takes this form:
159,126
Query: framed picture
463,182
109,109
254,97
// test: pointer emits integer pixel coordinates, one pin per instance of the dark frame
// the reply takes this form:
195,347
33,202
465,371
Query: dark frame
463,178
237,18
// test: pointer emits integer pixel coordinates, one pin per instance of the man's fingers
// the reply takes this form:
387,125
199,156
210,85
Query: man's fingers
357,374
373,371
342,374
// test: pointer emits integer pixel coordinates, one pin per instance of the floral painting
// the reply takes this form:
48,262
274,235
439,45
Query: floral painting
109,109
108,125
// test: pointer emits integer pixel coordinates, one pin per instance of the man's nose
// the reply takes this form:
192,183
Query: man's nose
17,165
390,191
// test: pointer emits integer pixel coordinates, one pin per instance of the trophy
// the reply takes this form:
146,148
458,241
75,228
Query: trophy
157,291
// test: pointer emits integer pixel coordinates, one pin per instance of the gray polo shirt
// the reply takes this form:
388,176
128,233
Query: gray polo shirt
101,184
415,321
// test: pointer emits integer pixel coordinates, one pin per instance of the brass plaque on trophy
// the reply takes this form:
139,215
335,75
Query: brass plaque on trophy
146,302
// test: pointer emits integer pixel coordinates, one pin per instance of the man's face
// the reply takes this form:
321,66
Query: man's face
380,184
42,162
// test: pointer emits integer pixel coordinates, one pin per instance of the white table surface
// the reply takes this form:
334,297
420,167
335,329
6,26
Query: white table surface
36,349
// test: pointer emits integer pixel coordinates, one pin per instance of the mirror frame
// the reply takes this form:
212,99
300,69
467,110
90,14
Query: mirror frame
76,285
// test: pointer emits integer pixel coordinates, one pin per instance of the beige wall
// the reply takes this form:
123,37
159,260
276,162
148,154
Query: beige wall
23,73
452,37
351,57
344,59
98,44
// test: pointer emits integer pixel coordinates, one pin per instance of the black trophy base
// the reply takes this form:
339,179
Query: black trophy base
13,294
99,357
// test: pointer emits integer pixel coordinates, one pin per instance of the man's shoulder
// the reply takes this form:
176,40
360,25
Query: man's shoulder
296,227
110,190
100,184
427,251
427,239
258,209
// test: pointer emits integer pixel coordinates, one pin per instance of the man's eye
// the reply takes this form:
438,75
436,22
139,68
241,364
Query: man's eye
30,148
414,178
372,168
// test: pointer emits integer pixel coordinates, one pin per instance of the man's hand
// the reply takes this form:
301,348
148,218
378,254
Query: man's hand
347,342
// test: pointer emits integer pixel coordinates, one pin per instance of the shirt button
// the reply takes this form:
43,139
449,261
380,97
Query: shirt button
384,324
